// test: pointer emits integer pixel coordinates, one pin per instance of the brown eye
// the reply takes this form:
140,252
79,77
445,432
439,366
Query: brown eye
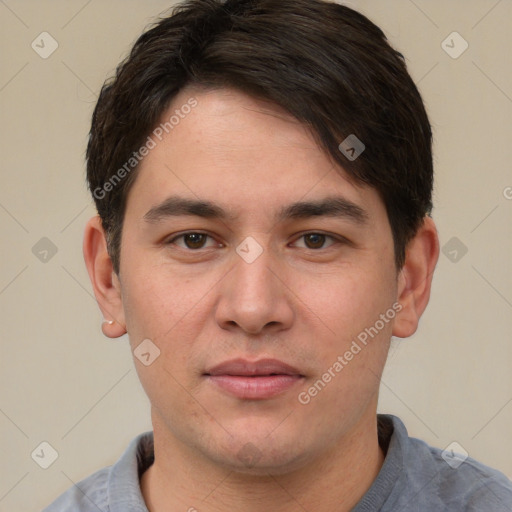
314,240
194,240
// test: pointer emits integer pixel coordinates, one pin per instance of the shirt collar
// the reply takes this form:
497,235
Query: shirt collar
124,492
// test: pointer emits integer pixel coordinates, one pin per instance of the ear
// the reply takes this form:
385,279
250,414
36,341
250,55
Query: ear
415,278
105,282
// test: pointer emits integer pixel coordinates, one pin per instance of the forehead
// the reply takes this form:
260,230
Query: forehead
245,153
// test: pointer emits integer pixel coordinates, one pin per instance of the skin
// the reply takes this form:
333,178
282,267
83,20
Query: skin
300,302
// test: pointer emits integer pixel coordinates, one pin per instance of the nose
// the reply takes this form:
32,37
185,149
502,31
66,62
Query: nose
254,297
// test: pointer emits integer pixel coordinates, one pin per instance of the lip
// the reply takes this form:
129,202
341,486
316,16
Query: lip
254,380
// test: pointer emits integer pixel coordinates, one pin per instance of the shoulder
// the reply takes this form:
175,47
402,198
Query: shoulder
112,488
460,482
467,483
88,495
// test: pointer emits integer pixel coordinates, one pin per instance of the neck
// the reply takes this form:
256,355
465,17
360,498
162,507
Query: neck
181,480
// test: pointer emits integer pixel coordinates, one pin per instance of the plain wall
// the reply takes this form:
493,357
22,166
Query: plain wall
64,383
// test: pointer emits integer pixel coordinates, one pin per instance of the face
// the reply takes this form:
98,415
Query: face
257,268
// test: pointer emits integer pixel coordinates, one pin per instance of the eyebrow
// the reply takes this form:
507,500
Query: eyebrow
176,206
329,207
334,206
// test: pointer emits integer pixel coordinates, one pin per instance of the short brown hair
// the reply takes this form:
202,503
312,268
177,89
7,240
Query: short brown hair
324,63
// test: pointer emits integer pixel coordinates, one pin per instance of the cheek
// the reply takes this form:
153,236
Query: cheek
158,308
157,302
171,311
144,308
348,306
347,302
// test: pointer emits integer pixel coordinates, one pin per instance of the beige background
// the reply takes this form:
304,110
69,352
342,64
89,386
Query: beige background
64,383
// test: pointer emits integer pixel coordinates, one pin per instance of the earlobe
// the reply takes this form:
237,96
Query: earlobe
112,329
103,279
415,278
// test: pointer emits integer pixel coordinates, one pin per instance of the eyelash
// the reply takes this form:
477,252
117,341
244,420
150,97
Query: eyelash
333,239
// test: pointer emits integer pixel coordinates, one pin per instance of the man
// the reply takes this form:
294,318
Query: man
262,172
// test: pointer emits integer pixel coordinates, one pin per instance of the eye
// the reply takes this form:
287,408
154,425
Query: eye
316,240
192,240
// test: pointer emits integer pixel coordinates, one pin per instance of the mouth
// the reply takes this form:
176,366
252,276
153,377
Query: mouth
254,380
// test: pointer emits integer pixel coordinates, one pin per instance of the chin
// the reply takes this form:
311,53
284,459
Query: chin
263,457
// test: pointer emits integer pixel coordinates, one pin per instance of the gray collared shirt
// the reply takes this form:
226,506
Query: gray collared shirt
414,478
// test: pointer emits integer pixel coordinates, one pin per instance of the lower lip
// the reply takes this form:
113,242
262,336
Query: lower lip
255,388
